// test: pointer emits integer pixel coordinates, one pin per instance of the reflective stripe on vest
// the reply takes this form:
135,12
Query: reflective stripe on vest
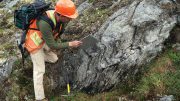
34,39
50,14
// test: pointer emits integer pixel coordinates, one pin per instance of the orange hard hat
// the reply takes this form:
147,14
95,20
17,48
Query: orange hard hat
66,8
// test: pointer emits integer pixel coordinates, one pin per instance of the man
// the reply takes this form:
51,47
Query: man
40,43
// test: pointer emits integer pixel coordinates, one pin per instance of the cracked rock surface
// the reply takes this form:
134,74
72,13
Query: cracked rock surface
131,37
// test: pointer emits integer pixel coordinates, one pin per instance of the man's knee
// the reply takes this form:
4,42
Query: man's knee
54,60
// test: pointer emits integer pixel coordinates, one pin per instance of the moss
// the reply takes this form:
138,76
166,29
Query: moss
175,57
1,32
89,22
9,49
21,84
91,1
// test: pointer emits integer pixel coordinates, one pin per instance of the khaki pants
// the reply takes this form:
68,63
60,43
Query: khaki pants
38,59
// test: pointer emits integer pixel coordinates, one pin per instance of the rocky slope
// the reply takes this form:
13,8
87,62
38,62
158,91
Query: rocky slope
130,33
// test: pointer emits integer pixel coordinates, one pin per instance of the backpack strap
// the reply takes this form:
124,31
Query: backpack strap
48,20
24,52
53,27
60,31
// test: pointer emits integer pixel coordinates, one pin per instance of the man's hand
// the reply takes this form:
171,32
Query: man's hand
75,43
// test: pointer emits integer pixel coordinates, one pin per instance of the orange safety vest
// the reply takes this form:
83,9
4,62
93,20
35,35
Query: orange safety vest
34,40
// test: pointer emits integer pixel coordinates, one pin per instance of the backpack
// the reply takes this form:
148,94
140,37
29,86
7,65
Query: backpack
28,12
23,18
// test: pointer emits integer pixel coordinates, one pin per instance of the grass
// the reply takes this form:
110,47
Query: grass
80,96
163,77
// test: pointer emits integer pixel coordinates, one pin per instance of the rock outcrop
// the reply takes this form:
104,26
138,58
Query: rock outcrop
130,38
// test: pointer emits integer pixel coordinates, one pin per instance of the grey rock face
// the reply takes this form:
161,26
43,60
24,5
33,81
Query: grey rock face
6,68
11,3
83,6
132,36
167,98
